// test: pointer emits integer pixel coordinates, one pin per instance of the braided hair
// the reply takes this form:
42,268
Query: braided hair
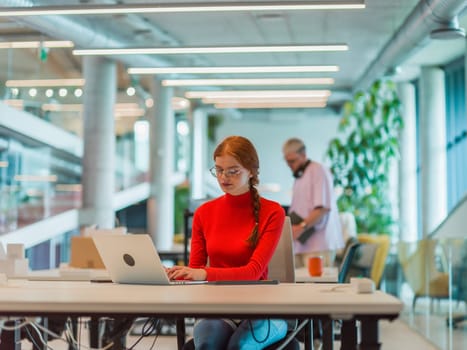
245,153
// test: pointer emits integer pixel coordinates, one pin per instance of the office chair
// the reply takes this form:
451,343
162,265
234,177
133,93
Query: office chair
421,271
348,327
282,268
187,222
383,244
349,255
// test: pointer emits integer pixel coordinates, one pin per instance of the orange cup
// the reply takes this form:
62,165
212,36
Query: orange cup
315,266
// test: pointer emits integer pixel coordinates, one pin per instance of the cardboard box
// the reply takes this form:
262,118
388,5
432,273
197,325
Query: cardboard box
84,253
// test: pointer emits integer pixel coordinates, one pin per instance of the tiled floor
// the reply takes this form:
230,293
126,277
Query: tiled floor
429,319
433,326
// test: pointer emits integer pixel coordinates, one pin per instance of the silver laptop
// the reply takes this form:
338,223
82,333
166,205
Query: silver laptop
133,259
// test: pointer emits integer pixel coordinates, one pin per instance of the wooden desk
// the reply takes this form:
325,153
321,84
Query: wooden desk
305,300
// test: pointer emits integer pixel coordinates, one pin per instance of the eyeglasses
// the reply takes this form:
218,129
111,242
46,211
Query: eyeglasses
217,172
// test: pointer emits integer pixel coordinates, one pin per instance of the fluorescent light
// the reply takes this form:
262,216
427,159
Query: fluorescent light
129,109
57,107
236,82
91,9
246,69
265,105
258,93
255,99
180,103
263,98
19,104
44,82
129,113
36,44
68,187
36,178
211,50
120,108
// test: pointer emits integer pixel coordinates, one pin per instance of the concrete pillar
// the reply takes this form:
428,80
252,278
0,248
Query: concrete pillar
433,148
161,202
98,177
200,153
408,166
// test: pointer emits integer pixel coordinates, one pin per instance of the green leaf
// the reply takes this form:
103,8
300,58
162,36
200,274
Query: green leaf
370,124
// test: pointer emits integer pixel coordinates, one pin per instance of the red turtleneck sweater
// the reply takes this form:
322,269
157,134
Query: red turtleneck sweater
220,231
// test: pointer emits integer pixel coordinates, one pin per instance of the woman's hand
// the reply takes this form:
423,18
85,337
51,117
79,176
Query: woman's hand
186,273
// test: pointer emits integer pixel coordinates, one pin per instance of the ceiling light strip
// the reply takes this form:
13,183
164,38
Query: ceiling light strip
257,82
36,44
35,178
14,103
210,50
99,9
258,93
69,187
269,105
78,107
45,82
236,70
57,107
265,100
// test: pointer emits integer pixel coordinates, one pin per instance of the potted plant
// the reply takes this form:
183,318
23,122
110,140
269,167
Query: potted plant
362,154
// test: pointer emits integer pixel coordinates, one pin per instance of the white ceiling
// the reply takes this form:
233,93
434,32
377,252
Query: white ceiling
366,32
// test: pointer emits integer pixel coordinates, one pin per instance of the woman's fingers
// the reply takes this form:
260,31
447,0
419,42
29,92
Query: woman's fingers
179,272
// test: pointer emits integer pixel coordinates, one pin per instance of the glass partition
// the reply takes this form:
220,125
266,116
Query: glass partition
431,279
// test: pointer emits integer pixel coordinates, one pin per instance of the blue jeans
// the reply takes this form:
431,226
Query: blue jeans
218,334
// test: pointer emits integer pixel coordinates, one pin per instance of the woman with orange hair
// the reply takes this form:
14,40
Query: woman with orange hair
233,238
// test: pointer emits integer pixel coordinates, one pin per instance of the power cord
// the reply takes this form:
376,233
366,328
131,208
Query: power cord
253,332
25,323
38,328
31,338
71,340
149,326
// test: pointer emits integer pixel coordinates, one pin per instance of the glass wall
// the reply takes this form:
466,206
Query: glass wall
36,181
63,107
456,132
433,287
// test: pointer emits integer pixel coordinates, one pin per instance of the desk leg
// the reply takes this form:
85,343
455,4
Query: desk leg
11,340
308,335
181,332
45,335
94,332
328,333
369,334
115,331
349,335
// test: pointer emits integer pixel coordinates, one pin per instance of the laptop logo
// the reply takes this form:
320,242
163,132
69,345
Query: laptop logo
129,260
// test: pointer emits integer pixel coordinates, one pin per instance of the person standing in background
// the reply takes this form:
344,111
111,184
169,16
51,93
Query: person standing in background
233,238
318,231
